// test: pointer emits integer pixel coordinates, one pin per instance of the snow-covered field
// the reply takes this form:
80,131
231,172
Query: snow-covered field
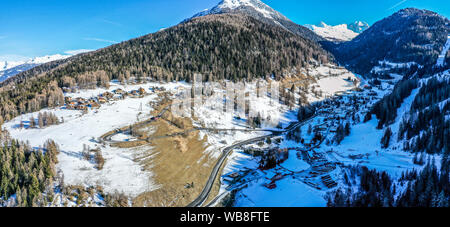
120,172
289,193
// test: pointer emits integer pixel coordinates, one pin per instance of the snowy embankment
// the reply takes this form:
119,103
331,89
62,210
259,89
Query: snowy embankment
288,193
120,172
441,59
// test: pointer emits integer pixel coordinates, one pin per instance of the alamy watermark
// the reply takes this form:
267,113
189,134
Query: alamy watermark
237,99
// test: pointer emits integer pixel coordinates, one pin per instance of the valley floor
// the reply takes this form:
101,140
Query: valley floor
168,161
308,174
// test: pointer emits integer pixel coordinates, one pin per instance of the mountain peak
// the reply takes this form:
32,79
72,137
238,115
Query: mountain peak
260,11
232,6
237,3
415,11
398,38
358,26
339,32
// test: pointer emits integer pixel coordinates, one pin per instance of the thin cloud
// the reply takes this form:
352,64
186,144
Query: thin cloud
75,52
111,22
101,40
398,4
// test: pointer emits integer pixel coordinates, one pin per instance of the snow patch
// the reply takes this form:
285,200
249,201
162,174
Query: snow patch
441,59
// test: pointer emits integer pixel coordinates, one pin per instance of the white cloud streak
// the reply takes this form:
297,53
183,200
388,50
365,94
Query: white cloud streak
398,4
75,52
111,22
101,40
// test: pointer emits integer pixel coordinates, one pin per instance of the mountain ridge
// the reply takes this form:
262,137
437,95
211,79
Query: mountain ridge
260,11
226,46
409,35
11,68
338,33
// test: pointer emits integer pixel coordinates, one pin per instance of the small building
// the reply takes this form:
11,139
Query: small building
107,95
333,129
94,105
119,91
102,100
81,107
367,87
142,91
134,93
81,100
68,99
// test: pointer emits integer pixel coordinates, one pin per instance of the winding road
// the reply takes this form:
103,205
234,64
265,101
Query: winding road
227,151
200,200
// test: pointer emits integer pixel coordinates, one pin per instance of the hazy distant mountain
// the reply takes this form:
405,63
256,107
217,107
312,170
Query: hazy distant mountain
260,11
12,68
358,26
408,36
333,33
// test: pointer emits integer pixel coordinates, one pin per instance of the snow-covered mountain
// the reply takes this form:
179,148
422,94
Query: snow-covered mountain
260,11
333,33
397,39
12,68
358,26
229,5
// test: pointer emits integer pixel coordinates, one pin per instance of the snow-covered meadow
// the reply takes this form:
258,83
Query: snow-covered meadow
120,172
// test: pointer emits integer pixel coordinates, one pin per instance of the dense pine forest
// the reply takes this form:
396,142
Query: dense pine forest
427,188
427,128
27,173
386,109
234,47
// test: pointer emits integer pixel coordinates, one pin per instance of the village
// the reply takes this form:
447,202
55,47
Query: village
280,159
84,104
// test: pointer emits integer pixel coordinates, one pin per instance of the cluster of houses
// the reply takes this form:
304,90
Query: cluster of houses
345,106
95,102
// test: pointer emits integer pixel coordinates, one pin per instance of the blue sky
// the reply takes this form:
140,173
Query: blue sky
31,28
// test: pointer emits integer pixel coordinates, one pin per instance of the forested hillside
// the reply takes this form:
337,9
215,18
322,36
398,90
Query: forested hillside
26,173
234,47
410,35
427,188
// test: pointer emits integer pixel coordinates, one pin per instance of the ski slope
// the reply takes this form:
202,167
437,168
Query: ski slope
441,59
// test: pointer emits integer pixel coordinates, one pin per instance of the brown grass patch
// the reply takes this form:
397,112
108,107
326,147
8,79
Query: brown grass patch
175,161
129,144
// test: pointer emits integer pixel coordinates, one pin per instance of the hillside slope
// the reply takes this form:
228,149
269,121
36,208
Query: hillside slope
226,46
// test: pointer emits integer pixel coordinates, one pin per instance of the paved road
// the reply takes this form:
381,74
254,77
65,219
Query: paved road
128,131
227,151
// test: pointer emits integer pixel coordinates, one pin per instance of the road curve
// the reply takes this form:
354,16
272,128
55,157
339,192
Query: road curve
227,151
